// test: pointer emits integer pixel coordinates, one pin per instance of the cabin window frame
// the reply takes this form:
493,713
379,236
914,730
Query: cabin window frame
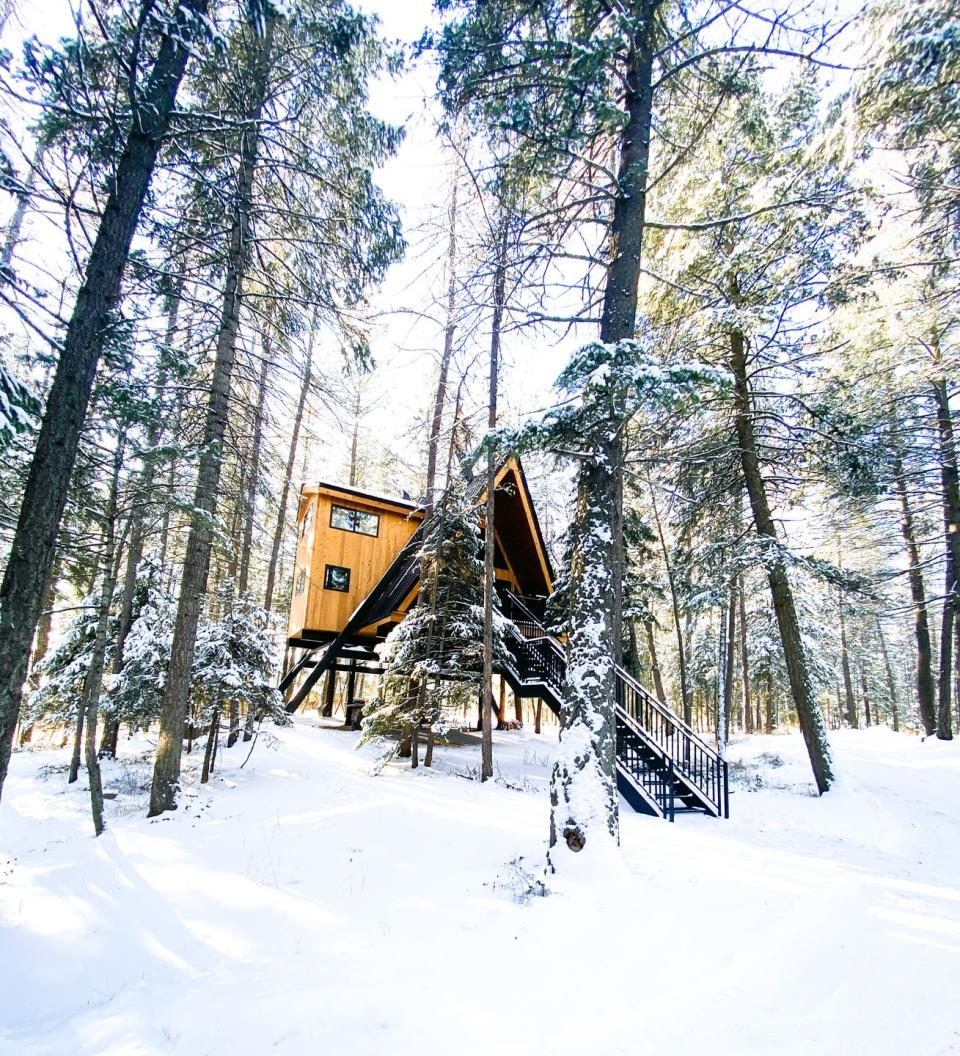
335,506
327,569
300,582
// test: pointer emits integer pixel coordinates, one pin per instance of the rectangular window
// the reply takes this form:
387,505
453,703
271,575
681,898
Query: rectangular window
301,582
349,520
336,578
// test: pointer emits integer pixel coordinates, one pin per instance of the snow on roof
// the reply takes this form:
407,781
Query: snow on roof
347,489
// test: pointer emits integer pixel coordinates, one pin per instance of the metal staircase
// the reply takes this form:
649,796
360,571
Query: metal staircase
663,767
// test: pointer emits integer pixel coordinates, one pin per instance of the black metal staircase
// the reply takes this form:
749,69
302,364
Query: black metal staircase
663,767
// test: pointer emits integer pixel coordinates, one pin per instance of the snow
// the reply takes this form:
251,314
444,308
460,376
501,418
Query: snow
303,905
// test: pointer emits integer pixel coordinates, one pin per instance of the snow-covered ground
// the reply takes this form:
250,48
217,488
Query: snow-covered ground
304,905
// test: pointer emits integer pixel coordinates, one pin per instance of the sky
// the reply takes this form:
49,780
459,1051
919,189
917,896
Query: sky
406,333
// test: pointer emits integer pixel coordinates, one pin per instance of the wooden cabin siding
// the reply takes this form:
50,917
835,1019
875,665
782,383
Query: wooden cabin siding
302,566
318,610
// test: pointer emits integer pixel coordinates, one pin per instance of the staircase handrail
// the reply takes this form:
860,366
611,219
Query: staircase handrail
667,713
656,704
710,786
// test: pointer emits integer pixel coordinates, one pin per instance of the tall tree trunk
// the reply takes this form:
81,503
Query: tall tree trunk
618,318
354,454
489,572
850,699
45,624
770,718
74,771
926,692
654,662
808,710
686,699
138,520
891,681
583,783
94,677
449,330
193,583
729,659
288,469
744,658
45,495
328,693
253,474
956,666
209,749
866,695
950,484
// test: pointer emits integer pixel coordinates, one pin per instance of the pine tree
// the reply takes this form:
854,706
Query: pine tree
433,660
173,34
319,127
904,98
136,691
233,666
602,385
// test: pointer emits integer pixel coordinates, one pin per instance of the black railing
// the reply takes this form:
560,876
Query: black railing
672,749
646,766
698,763
538,660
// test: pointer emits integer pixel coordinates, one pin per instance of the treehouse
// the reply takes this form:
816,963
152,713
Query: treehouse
356,577
348,542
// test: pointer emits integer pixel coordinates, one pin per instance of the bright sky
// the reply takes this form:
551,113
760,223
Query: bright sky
406,344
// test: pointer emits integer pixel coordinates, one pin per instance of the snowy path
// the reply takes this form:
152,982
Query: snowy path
303,906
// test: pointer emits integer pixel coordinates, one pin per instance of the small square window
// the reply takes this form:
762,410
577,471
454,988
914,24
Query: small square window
366,523
336,578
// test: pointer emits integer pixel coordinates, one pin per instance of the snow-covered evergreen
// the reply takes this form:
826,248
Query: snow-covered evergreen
63,671
234,660
135,693
434,658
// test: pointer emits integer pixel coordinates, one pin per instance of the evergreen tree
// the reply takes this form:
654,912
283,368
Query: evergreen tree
233,667
604,384
136,691
167,36
330,142
905,98
433,659
63,671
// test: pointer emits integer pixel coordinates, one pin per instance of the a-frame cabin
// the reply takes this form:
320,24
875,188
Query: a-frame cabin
356,578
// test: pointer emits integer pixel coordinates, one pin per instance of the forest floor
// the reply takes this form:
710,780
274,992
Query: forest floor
305,905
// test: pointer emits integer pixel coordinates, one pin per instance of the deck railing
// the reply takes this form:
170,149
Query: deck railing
683,751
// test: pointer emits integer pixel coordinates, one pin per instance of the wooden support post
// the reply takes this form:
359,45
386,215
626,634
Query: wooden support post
351,684
518,708
328,695
503,702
